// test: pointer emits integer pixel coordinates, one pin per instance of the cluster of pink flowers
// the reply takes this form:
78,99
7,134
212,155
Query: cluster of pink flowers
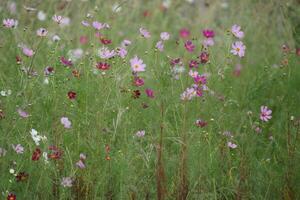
238,47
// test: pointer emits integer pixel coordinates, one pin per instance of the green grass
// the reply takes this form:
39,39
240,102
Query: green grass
104,112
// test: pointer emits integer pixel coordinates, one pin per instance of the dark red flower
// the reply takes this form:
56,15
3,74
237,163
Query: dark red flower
66,62
11,196
105,41
36,154
19,60
103,66
55,153
107,148
76,73
136,94
22,176
146,13
175,61
72,95
201,123
298,51
194,64
48,71
204,57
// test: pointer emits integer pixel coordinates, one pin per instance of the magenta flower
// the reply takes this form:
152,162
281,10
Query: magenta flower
42,32
238,48
145,33
27,52
236,31
137,64
140,133
165,36
22,113
66,62
208,33
66,122
265,113
160,45
184,33
19,149
149,93
231,145
189,46
10,23
138,81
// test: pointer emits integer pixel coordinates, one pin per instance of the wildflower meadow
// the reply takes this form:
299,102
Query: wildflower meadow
149,99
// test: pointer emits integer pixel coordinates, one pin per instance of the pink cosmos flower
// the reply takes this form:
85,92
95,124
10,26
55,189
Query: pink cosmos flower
149,92
125,43
98,25
208,42
265,113
160,45
85,23
208,33
19,149
42,32
27,52
122,52
193,74
10,23
189,46
184,33
83,39
82,156
140,133
66,122
105,53
188,94
145,33
80,164
57,18
67,182
22,113
137,64
165,36
231,145
236,31
238,48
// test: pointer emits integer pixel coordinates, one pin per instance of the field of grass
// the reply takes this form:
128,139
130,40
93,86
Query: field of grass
96,103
